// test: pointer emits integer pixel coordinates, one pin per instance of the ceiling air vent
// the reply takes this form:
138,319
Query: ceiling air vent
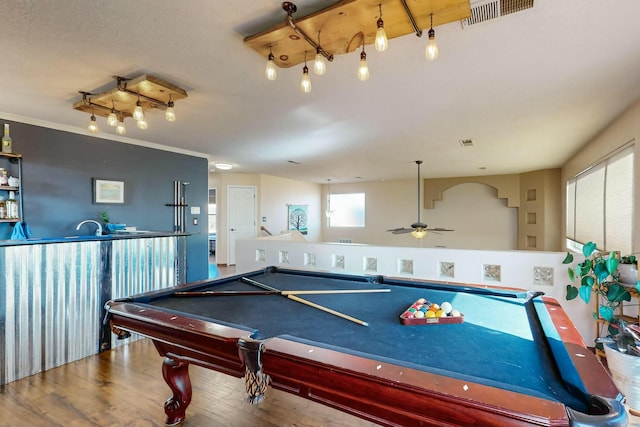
466,142
487,10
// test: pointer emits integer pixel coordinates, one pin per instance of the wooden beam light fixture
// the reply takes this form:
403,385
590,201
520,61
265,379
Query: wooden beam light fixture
349,25
131,98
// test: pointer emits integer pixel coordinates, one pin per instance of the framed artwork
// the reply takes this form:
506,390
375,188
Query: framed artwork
108,192
297,215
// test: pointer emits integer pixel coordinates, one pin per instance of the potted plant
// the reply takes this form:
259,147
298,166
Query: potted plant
599,275
628,269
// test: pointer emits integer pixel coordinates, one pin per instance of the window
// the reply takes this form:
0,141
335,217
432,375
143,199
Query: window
347,210
600,204
211,211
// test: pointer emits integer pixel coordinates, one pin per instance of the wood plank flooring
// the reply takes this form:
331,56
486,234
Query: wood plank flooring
124,387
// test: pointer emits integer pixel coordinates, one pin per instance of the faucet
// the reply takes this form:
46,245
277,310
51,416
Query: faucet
98,231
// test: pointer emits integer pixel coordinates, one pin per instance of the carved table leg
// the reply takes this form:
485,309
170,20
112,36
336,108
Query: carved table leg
176,375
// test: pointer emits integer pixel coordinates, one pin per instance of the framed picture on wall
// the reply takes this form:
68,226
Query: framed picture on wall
107,191
298,217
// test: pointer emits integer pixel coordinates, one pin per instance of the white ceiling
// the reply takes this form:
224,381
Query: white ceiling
528,88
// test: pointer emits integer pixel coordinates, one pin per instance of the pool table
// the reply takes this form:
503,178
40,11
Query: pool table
513,359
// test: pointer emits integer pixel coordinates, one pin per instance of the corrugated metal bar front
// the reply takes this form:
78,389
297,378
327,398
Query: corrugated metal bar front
49,306
142,265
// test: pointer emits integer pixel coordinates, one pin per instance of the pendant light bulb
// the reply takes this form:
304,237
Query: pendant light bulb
363,69
381,43
138,114
112,119
431,53
305,83
93,125
270,71
142,124
319,66
120,129
170,113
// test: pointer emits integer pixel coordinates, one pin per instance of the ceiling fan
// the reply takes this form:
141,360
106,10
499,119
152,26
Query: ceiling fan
418,229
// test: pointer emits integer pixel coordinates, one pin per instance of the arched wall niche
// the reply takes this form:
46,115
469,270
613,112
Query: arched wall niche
508,187
536,194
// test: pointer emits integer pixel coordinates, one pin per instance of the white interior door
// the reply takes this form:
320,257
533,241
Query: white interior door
241,217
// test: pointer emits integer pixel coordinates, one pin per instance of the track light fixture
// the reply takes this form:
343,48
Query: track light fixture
135,97
344,24
431,53
381,43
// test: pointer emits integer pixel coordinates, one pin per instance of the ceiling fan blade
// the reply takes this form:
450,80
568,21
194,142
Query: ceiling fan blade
400,230
439,229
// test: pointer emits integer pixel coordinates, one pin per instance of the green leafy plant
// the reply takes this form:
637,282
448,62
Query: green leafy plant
104,216
598,275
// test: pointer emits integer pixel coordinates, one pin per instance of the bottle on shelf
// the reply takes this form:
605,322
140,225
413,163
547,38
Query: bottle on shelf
3,209
6,140
11,206
4,179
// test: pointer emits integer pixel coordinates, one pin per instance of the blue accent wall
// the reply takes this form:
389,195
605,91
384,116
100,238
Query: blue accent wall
57,185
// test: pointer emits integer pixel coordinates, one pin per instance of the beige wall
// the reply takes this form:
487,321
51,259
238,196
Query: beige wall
479,218
623,130
277,193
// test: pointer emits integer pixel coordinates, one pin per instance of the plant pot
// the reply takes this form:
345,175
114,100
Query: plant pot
625,372
628,273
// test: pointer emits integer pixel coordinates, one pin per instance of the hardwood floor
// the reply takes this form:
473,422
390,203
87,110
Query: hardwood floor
124,387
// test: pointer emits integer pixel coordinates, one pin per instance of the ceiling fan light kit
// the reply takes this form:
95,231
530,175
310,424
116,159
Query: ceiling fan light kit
418,229
348,25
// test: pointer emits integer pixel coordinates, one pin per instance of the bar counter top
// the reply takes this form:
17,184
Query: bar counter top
88,238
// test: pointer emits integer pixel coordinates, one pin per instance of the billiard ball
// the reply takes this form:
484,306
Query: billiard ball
446,307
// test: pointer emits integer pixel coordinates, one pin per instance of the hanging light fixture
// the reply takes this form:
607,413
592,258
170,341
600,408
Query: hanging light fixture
112,119
431,53
382,43
270,71
138,114
319,66
143,92
120,129
170,114
305,83
363,69
329,211
93,125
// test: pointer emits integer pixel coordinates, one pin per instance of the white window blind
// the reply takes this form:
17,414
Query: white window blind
600,203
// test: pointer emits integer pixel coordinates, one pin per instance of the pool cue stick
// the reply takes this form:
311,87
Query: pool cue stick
222,293
309,303
307,292
311,291
326,309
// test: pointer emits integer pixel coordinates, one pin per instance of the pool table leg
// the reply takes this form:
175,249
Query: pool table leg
176,375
